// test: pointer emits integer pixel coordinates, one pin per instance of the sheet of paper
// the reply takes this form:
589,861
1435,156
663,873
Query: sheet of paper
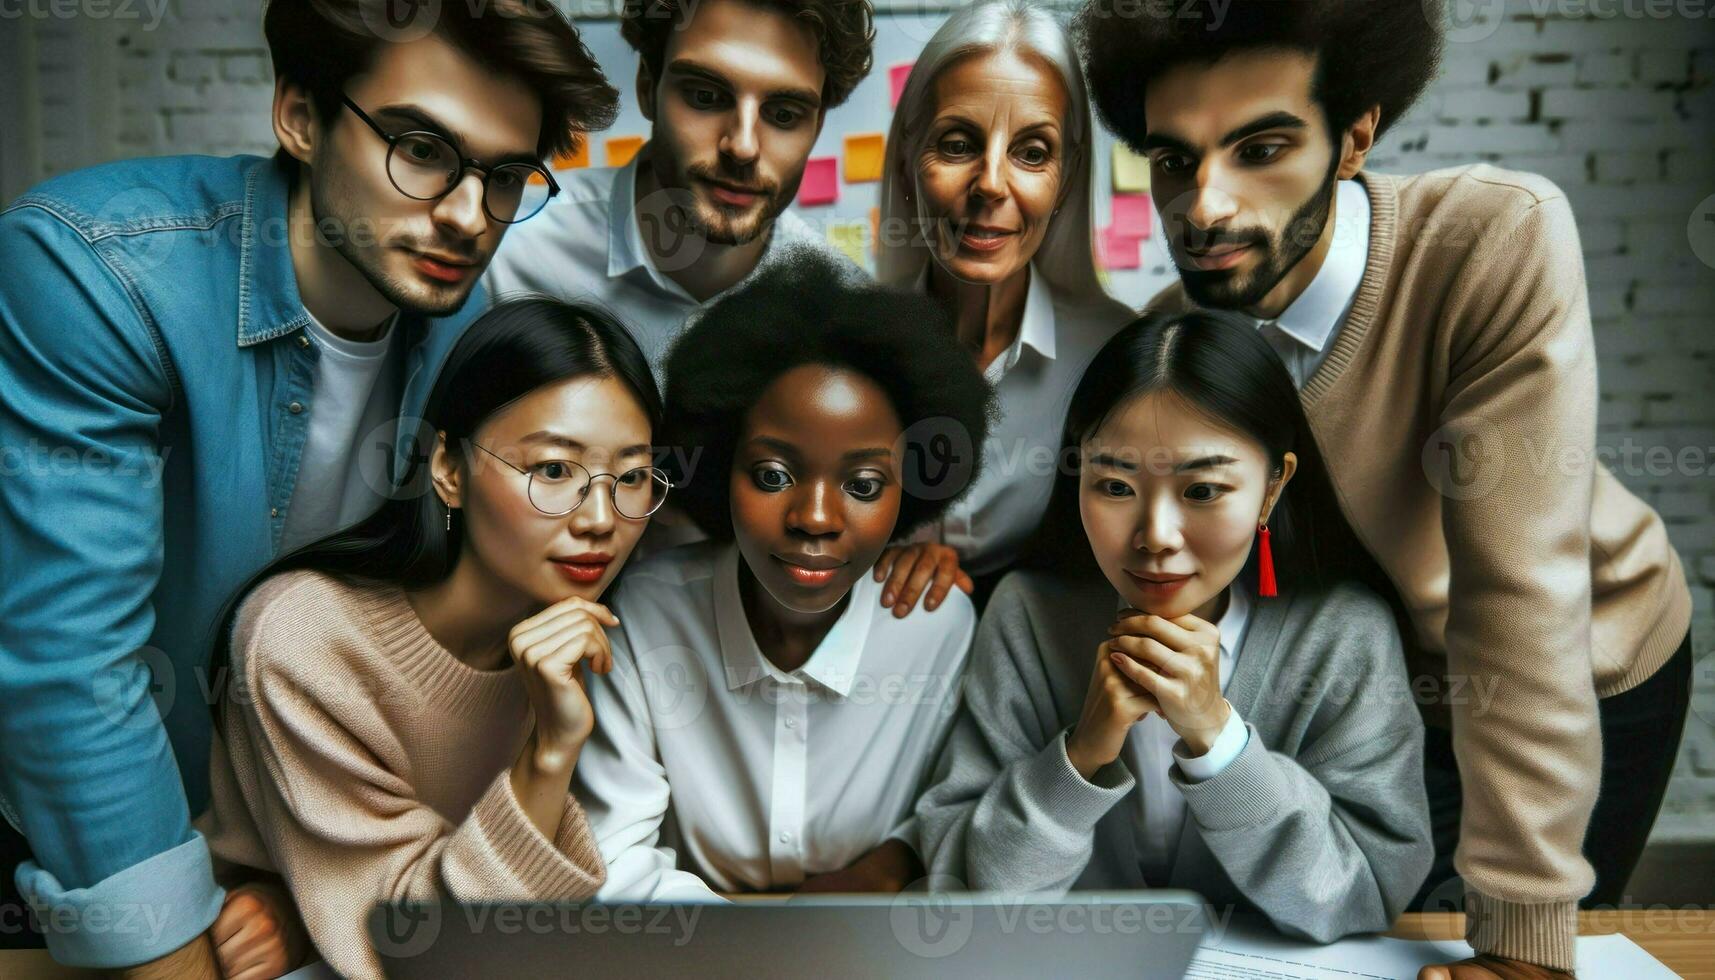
1131,172
1116,250
821,181
852,238
1247,952
864,153
1132,215
896,76
620,149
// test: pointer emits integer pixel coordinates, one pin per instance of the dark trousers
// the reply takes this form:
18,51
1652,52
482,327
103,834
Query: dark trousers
1640,739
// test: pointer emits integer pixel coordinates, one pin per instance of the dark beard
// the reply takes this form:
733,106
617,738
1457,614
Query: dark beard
713,223
1223,289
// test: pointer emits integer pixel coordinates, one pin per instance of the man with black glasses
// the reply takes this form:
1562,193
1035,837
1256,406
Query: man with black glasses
205,362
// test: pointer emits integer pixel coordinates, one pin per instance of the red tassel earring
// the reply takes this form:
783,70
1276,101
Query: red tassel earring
1264,563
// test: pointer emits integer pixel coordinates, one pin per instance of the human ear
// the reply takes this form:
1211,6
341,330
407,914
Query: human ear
296,125
445,473
1356,142
1288,466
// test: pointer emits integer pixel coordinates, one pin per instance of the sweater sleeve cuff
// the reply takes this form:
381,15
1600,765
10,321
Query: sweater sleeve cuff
132,916
1226,747
1543,933
1058,789
1247,792
568,868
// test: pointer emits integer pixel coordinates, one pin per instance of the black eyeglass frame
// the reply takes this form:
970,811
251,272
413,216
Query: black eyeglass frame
466,164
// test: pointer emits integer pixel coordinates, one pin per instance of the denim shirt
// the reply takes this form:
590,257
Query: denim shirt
155,386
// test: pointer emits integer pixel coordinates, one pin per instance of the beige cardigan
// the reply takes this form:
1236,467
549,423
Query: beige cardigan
361,761
1523,562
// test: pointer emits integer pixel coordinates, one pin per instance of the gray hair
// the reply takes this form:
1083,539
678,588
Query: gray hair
1066,257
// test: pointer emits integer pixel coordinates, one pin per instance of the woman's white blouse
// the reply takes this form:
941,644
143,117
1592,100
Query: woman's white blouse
710,768
1033,383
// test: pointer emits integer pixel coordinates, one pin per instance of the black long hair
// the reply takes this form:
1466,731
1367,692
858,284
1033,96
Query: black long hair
511,350
1221,366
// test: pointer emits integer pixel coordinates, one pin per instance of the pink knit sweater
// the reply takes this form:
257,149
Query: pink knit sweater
362,761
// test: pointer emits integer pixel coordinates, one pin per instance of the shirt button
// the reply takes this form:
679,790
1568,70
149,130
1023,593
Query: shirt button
295,408
273,512
303,341
785,838
791,723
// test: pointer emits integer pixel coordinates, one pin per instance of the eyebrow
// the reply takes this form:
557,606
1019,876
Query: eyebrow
1111,461
785,448
420,118
957,120
1203,463
545,437
685,66
1279,119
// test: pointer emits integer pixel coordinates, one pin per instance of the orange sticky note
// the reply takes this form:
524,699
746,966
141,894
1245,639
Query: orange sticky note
821,181
620,149
864,153
577,158
875,230
896,77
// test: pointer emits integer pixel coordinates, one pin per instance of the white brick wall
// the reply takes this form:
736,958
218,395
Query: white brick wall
1619,111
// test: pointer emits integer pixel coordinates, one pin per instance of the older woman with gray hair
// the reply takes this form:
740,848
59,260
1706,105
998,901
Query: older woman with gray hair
986,205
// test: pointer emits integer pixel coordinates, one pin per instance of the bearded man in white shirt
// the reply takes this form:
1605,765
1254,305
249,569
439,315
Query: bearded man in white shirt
736,92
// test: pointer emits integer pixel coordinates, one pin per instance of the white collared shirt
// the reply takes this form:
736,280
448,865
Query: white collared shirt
1033,382
587,245
1152,747
1303,334
759,777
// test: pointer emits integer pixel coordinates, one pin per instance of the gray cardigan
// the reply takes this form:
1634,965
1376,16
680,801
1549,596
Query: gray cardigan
1321,823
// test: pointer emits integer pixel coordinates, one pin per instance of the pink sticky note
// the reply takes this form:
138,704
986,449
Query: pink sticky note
1131,215
896,77
1117,250
821,181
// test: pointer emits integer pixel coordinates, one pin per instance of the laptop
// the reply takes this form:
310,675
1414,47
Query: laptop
1148,934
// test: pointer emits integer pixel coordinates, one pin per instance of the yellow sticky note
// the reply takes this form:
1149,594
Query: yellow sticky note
851,237
1131,172
620,149
863,157
576,159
